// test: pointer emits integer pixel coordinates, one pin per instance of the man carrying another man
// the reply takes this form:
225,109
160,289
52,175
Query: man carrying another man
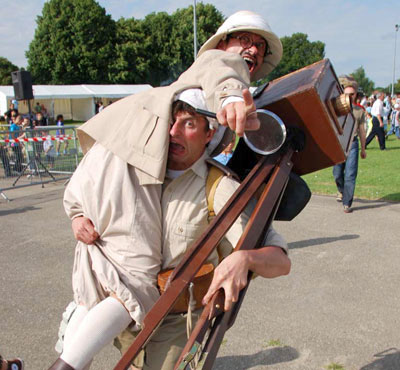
142,208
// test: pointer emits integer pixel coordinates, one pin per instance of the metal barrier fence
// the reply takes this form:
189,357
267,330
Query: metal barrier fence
37,156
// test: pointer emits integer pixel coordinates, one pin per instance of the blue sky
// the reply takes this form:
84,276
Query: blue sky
355,33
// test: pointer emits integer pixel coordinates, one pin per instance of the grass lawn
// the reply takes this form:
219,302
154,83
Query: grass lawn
378,174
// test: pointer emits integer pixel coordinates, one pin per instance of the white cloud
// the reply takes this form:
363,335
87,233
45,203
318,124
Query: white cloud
356,33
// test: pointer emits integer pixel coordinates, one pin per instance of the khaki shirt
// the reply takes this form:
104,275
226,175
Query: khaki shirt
185,215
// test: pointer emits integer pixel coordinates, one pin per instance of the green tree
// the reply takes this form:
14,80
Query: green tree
157,28
298,52
73,43
169,40
131,56
182,37
364,82
6,67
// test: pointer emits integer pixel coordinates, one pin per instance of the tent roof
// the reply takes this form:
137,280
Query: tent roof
78,91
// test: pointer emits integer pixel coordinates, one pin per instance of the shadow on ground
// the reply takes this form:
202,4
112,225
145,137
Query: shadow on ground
371,204
6,212
270,356
386,360
394,198
320,241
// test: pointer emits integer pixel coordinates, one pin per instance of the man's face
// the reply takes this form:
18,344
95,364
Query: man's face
351,91
253,55
188,138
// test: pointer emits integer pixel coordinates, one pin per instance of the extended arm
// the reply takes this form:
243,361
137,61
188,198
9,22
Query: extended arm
269,261
231,273
222,76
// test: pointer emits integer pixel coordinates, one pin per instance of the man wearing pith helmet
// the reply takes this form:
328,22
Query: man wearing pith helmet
248,34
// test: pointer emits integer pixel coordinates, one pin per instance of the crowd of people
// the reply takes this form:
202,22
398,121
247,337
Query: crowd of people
18,126
385,109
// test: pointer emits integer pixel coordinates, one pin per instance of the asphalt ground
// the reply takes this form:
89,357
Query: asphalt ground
339,305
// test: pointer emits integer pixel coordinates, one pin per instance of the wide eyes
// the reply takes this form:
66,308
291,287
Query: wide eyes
190,124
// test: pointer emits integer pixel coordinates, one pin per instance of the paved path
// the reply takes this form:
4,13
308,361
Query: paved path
340,304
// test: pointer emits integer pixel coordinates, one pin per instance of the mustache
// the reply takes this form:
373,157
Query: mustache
247,53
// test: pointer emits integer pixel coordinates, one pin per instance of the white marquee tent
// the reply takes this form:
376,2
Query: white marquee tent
75,102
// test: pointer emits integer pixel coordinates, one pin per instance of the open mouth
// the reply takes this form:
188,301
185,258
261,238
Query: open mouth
176,148
251,64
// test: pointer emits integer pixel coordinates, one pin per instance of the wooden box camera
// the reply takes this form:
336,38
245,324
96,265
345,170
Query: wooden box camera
313,100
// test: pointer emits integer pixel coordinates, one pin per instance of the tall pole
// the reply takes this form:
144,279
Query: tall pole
396,27
194,30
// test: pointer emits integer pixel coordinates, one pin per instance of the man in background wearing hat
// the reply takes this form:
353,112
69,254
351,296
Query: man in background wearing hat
345,173
146,145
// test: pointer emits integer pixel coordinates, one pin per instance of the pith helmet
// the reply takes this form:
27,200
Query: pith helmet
348,81
250,22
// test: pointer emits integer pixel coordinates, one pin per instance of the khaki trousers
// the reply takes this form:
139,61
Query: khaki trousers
164,347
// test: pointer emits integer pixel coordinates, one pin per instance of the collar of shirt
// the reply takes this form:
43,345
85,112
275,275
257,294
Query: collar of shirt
200,166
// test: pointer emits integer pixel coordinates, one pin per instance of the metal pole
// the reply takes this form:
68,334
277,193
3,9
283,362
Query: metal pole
394,59
194,30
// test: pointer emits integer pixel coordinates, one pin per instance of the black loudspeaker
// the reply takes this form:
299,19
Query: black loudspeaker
22,82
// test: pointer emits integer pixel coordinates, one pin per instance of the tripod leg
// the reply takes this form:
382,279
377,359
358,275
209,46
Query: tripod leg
45,169
22,173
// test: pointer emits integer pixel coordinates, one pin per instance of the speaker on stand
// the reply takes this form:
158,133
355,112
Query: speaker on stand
22,82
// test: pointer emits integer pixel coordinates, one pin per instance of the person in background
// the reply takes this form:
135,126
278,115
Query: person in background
61,132
48,148
15,103
41,119
345,173
395,121
227,153
378,130
11,110
4,157
38,108
15,129
101,106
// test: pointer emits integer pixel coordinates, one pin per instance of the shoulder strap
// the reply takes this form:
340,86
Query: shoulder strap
213,179
215,174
